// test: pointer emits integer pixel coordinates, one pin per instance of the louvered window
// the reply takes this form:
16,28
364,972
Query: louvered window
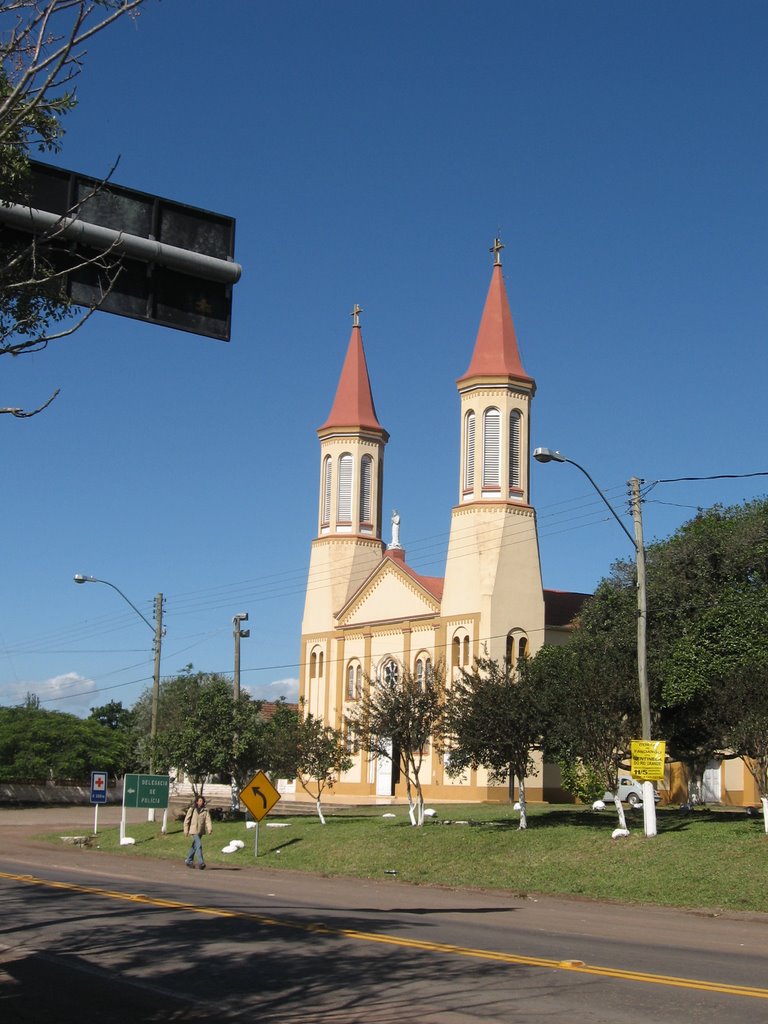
325,515
491,448
366,476
469,453
514,450
344,501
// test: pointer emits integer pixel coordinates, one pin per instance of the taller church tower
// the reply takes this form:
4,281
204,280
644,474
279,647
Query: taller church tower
493,569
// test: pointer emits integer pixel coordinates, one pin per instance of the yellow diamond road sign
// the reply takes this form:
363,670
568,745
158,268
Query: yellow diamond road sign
259,796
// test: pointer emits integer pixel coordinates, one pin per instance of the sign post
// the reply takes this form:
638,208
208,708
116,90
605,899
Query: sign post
647,766
98,796
259,796
143,791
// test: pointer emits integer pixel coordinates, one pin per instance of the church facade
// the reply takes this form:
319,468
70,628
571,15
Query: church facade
368,614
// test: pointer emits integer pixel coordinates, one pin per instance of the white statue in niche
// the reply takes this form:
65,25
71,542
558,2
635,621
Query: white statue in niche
395,529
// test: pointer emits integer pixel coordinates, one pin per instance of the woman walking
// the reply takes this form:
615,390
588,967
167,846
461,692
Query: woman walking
197,823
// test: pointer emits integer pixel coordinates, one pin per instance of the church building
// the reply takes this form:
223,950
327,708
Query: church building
369,615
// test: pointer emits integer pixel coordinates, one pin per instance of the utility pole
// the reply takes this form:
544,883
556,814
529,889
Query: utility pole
550,455
238,633
156,646
649,801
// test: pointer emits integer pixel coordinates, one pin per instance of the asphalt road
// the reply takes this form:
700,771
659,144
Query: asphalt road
88,937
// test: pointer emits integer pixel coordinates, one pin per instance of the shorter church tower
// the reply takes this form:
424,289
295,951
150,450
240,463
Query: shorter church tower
348,545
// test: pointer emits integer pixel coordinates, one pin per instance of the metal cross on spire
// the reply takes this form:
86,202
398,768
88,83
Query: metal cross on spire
496,249
355,314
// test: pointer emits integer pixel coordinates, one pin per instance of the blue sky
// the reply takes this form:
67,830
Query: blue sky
370,152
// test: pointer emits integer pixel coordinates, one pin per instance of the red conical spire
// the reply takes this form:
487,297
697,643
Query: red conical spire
496,353
353,405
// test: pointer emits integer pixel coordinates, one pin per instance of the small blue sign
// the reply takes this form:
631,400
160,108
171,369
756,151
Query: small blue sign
98,787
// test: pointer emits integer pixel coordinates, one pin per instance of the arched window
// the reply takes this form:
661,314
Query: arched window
325,512
313,665
469,452
460,649
366,477
517,647
354,680
320,665
351,737
514,451
423,671
491,448
344,498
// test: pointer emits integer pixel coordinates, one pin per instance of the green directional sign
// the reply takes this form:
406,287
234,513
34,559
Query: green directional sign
146,790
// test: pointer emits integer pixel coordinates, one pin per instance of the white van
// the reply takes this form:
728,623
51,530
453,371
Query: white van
630,792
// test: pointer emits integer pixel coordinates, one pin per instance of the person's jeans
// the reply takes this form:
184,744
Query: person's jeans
196,849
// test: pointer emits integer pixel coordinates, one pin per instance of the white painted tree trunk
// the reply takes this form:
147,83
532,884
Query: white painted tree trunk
764,802
523,814
319,811
620,812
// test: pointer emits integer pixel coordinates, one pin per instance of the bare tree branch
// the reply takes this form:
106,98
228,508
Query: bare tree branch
22,414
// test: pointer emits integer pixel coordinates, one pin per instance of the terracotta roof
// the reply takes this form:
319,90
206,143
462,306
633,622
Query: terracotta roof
562,606
353,405
496,353
269,707
432,584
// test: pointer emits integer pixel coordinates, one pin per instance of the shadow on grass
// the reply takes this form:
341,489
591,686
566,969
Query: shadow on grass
669,819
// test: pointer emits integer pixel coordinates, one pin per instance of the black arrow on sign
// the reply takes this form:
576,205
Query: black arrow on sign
255,790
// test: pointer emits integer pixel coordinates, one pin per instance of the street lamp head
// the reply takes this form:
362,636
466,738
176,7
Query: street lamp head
79,578
548,455
241,617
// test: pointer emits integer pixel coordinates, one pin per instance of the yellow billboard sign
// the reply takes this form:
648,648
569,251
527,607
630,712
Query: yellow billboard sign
648,758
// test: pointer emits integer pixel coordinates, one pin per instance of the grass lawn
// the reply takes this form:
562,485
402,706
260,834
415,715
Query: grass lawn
709,859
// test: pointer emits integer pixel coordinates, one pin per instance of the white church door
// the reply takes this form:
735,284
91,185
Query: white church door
384,772
711,791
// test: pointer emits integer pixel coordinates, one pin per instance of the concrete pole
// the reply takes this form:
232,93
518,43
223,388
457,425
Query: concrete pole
156,675
157,645
649,802
237,632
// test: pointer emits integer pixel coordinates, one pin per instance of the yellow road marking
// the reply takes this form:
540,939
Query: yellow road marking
424,945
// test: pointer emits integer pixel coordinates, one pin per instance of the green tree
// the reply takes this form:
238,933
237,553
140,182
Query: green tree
301,747
493,720
42,51
114,716
747,726
204,731
589,704
715,675
40,745
397,717
706,588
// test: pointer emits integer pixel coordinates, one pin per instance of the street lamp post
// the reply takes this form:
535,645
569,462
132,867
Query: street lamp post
157,629
549,455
